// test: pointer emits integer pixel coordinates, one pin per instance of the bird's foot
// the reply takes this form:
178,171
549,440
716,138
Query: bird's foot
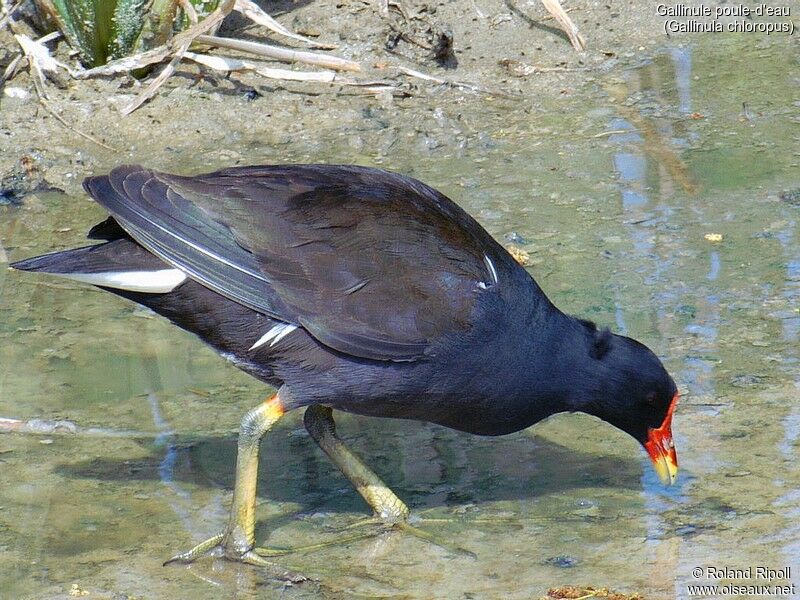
257,555
338,541
219,546
404,526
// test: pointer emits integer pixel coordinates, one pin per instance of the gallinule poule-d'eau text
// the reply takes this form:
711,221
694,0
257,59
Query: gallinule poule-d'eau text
360,290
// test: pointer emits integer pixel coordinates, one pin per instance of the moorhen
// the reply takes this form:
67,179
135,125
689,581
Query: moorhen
361,290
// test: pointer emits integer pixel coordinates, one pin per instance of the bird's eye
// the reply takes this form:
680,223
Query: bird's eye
651,398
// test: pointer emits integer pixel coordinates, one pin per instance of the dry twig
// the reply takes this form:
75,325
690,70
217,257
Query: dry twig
177,48
576,39
52,426
458,84
12,68
41,63
282,54
188,8
9,13
227,65
253,12
180,44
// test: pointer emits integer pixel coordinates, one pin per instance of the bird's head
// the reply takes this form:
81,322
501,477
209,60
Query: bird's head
635,393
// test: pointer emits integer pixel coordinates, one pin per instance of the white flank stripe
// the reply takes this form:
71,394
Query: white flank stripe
491,268
276,334
149,282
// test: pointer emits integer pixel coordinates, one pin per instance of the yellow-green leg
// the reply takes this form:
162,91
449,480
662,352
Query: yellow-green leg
238,539
387,506
319,423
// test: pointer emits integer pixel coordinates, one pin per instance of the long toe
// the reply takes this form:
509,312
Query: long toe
216,546
341,540
381,526
432,538
206,547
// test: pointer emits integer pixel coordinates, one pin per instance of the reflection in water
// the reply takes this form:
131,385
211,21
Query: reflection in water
178,498
648,168
682,60
790,332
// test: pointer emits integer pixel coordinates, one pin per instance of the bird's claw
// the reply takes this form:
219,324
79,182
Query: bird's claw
403,525
199,550
215,546
431,538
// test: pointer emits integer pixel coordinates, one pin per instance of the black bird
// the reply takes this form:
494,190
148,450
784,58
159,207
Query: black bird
360,290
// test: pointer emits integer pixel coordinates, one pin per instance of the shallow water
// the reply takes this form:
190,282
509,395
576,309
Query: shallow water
612,191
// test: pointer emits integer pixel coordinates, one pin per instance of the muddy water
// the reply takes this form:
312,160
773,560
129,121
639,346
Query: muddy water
650,202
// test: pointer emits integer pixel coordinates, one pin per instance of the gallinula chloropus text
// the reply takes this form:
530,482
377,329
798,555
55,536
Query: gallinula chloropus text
360,290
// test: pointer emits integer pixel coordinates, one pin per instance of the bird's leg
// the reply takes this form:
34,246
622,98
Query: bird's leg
319,423
238,539
389,509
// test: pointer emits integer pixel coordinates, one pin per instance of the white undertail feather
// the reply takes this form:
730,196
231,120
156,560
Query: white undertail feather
149,282
276,334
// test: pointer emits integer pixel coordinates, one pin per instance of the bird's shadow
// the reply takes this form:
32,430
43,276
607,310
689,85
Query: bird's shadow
429,467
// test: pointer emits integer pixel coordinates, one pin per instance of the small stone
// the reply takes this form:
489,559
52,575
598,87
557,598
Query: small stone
562,561
791,196
746,380
16,92
77,591
739,474
713,237
516,238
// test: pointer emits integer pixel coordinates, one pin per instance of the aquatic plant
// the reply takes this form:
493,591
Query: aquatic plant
103,30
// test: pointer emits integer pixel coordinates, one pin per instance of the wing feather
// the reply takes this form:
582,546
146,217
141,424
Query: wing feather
370,263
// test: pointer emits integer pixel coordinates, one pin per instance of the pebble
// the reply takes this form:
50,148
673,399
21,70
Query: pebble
16,92
516,238
562,561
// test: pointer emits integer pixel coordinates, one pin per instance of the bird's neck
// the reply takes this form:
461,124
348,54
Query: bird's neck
561,375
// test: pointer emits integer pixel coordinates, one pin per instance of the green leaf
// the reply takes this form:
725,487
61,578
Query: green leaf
101,30
128,20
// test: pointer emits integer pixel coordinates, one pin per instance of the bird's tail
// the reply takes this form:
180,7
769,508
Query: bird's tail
121,264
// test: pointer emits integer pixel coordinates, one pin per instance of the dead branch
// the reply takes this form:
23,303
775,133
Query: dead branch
457,84
40,63
177,48
227,65
57,426
282,54
253,12
181,43
576,39
188,8
9,13
12,68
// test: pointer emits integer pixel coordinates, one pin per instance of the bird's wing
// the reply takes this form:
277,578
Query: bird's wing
370,263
